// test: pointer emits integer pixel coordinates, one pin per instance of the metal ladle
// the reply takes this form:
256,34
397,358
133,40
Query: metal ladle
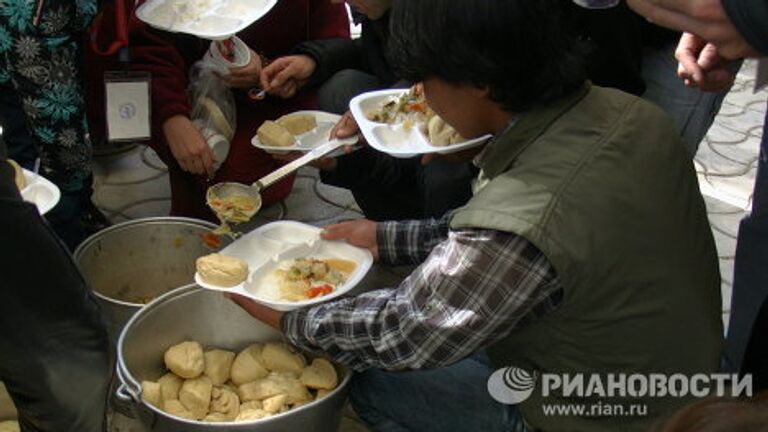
229,189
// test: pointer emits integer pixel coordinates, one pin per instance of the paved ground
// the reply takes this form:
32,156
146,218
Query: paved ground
133,184
727,162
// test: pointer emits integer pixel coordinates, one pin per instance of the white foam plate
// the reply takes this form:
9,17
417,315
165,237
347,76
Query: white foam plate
395,139
220,20
40,192
309,140
265,247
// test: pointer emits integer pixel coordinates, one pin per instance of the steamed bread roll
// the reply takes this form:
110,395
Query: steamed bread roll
151,393
248,365
441,133
222,270
170,384
185,359
275,135
320,375
218,364
195,395
298,124
278,358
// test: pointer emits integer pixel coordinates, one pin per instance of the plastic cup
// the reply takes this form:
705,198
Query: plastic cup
220,147
218,143
214,58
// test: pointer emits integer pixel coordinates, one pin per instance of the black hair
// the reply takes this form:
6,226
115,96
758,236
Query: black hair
518,49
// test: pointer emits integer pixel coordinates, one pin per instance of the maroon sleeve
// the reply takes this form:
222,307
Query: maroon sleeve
156,52
328,20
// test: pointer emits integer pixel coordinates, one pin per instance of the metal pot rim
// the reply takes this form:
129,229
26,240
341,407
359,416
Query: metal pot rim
134,387
142,221
87,243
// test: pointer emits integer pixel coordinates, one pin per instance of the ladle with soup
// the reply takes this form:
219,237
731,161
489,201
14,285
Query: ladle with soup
237,203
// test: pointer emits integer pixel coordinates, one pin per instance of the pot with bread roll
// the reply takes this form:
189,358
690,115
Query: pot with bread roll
192,360
129,264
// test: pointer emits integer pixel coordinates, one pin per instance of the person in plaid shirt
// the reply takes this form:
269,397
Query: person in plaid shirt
471,288
526,271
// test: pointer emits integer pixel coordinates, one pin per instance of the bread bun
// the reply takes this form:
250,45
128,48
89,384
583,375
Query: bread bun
275,135
221,270
298,124
441,133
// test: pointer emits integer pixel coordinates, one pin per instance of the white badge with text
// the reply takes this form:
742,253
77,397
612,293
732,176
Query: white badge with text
128,106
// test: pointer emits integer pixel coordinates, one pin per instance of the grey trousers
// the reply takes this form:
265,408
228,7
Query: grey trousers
334,95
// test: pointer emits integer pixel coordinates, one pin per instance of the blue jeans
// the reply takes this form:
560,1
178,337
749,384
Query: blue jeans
451,398
750,279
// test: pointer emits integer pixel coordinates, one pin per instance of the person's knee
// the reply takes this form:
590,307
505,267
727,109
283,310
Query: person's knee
370,393
360,393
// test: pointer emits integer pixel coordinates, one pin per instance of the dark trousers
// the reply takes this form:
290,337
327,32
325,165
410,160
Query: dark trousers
756,353
388,188
750,281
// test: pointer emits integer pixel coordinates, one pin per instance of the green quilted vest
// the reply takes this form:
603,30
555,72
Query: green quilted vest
601,184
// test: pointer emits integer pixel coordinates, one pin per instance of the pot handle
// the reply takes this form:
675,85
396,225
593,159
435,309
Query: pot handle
124,391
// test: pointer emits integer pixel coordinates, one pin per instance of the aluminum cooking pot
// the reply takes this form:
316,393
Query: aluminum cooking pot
193,313
129,264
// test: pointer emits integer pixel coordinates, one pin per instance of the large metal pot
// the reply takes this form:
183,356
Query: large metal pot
131,263
193,313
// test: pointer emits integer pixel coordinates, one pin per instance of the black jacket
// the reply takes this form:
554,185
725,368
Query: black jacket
615,39
750,17
367,53
54,356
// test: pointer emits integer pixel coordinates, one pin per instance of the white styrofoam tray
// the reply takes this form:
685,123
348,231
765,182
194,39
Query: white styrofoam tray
40,192
395,139
305,142
265,247
208,19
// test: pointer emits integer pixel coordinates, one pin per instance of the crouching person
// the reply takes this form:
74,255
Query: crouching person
585,249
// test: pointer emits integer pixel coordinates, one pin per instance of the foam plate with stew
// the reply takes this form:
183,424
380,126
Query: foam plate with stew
40,192
265,248
398,139
208,19
308,140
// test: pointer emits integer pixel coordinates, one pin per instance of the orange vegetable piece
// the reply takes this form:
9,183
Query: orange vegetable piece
211,240
320,290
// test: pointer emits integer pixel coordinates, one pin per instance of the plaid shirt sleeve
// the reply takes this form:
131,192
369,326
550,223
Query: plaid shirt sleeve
473,289
410,242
